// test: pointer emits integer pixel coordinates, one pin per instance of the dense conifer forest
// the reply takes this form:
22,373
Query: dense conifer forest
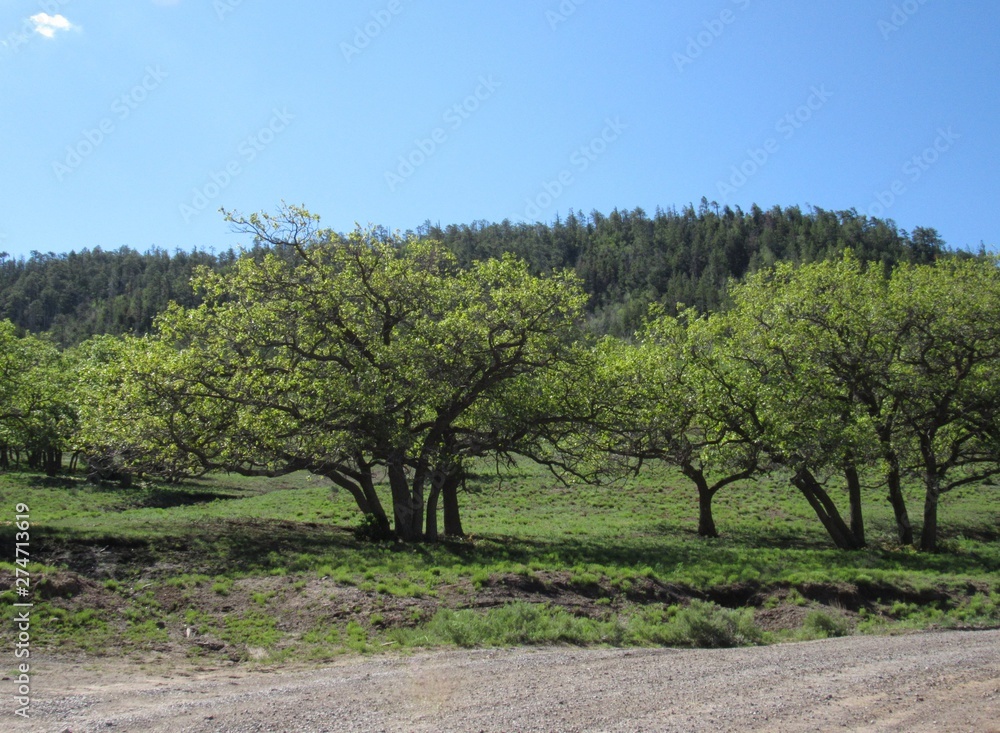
626,260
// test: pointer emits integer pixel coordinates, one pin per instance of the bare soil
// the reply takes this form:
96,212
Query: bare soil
937,681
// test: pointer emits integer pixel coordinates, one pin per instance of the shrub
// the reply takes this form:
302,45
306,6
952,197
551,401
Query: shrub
821,625
515,623
704,624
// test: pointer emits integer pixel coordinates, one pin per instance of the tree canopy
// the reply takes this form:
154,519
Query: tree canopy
625,260
359,355
394,359
831,369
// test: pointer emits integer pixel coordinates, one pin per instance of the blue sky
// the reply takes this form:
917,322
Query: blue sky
130,122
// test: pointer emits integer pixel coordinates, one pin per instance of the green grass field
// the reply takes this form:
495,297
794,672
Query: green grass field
271,570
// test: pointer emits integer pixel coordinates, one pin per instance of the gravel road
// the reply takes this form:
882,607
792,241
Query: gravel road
947,681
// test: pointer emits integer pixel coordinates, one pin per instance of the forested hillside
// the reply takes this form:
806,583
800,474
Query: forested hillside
626,260
80,294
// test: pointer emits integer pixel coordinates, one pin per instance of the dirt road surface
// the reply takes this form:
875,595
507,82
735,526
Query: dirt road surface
946,681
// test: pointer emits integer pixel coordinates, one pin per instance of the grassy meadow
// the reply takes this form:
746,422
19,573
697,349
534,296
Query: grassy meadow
271,570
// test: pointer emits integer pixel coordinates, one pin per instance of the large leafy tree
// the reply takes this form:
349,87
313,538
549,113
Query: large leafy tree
36,417
947,376
860,374
359,357
802,423
678,399
823,332
128,421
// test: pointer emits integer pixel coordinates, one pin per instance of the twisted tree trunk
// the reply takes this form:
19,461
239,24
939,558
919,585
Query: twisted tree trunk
825,509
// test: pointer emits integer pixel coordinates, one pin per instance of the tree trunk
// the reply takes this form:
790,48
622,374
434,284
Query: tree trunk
363,492
431,527
928,536
932,493
452,517
407,502
825,509
375,508
53,462
904,529
706,521
444,486
854,494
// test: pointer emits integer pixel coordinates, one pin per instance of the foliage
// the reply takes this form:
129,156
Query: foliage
628,259
947,376
823,625
377,355
356,355
124,427
833,369
81,294
35,411
677,399
707,625
625,259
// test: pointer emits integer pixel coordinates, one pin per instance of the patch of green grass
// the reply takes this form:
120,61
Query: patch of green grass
981,609
704,624
188,581
617,544
146,632
262,598
356,638
701,624
517,623
222,587
251,629
85,629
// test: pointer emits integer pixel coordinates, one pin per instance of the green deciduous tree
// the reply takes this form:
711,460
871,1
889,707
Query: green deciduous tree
679,399
36,417
947,375
828,340
357,357
860,374
129,422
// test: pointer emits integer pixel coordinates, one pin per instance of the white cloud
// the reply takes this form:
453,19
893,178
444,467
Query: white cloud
47,25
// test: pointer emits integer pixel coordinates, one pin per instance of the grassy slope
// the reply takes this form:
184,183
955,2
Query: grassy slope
271,569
